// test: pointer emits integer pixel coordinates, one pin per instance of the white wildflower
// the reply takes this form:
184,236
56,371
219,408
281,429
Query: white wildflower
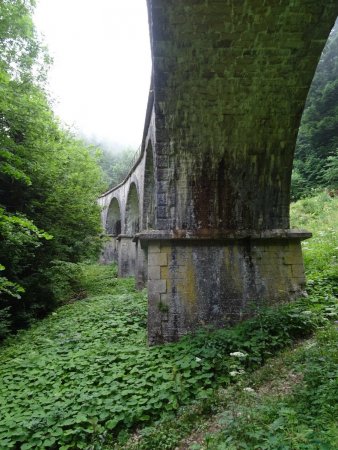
198,359
249,390
234,373
238,354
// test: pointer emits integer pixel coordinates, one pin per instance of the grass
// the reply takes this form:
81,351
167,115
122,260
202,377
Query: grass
85,377
320,216
267,411
289,403
61,379
261,414
274,416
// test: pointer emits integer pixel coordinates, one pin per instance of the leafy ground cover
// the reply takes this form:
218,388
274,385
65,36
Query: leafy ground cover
289,403
292,403
86,373
85,378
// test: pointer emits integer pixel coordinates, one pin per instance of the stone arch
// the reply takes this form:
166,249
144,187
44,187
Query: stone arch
149,196
132,216
113,222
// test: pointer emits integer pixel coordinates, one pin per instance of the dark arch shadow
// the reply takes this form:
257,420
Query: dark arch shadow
132,216
113,223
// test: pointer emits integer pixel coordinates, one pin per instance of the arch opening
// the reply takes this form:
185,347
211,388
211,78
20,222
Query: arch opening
113,223
316,147
132,220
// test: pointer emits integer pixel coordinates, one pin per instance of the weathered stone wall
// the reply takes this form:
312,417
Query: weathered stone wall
127,256
230,83
110,251
196,282
141,274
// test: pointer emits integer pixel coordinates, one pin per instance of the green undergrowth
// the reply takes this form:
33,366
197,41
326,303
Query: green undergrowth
304,418
289,403
85,375
248,418
320,216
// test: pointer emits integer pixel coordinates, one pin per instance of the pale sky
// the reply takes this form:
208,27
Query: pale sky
101,72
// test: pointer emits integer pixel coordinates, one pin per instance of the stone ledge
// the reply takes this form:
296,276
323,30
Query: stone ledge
124,236
223,235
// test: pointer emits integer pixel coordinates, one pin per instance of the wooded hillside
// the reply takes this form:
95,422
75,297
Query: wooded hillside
316,158
49,180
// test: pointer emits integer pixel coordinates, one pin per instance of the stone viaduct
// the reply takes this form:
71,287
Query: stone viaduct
202,218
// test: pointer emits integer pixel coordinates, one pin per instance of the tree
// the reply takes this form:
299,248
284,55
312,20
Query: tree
116,165
317,144
115,160
49,180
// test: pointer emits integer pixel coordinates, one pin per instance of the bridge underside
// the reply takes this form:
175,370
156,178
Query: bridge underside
229,84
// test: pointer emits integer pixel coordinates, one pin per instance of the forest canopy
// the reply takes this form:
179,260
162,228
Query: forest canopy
316,158
49,180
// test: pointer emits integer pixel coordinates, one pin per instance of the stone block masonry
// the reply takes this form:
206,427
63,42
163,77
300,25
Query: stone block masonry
127,256
110,252
203,215
230,82
197,282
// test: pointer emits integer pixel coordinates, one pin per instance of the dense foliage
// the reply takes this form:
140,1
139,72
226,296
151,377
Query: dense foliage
85,374
304,418
86,371
316,158
318,214
116,164
115,160
49,180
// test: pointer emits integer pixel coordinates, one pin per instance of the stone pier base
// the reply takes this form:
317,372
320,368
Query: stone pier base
127,256
219,280
110,251
141,274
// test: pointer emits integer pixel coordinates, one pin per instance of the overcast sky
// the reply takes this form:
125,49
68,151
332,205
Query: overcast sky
101,71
